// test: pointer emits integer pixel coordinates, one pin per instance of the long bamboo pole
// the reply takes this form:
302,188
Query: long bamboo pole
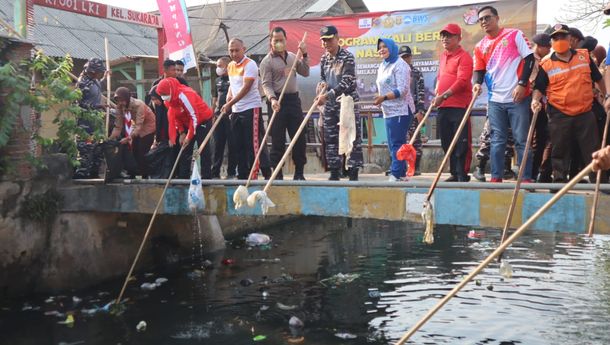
598,181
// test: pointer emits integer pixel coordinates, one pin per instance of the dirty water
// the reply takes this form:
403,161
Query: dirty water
341,281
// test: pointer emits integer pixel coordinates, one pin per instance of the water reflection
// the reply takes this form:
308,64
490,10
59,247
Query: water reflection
559,293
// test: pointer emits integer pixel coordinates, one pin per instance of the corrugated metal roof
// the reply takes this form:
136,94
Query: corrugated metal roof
59,33
247,20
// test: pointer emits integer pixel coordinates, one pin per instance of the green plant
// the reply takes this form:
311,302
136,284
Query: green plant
51,87
43,207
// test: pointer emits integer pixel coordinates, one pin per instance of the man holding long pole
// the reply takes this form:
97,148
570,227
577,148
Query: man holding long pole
275,69
453,96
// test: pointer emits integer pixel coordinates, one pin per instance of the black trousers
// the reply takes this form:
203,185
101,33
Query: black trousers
184,166
140,147
568,132
541,145
449,120
223,137
242,124
288,119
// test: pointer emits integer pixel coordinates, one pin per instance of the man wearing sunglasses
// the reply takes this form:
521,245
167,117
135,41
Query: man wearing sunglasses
505,61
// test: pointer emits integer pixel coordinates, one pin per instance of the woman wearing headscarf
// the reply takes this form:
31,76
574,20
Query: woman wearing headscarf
135,126
190,117
393,80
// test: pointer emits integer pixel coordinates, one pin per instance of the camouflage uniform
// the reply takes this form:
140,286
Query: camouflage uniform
485,144
419,93
89,153
339,74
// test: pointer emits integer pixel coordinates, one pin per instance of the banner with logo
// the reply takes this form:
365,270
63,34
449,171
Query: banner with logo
177,31
418,29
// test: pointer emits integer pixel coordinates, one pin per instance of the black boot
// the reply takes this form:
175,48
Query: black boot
335,175
353,174
298,174
417,171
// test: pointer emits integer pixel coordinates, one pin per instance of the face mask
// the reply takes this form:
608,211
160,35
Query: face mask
561,46
221,71
166,97
279,47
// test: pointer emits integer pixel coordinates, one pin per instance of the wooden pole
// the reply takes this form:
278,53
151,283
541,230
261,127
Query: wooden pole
420,125
150,224
598,181
513,203
495,253
450,149
209,135
108,87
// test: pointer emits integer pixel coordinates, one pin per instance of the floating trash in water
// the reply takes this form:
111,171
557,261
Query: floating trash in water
160,281
259,337
284,278
89,312
475,235
478,282
50,300
246,282
340,278
296,322
28,307
54,313
148,286
374,293
195,274
141,326
265,294
69,321
345,335
286,307
490,287
76,300
257,239
264,307
228,262
506,269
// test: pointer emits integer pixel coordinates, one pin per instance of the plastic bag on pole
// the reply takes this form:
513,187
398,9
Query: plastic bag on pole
407,153
196,199
347,125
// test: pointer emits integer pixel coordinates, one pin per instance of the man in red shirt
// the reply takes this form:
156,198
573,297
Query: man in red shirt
453,94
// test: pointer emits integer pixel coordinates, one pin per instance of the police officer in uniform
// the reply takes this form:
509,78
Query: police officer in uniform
89,152
338,74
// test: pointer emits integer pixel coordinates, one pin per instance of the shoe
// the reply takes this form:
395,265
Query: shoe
452,178
479,174
279,176
465,178
353,174
509,174
298,177
495,180
544,179
334,175
395,179
266,173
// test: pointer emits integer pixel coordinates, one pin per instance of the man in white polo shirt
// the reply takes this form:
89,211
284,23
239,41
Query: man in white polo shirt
245,102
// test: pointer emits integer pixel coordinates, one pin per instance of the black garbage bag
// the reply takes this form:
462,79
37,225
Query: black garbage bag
118,157
160,161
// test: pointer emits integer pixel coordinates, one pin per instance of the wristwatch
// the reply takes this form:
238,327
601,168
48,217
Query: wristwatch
445,96
522,83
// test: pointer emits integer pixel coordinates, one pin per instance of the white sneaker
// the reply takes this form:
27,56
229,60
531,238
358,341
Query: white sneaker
395,179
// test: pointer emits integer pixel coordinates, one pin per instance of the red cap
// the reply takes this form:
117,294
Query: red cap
453,29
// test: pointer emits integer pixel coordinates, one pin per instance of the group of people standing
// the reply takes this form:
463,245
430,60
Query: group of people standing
521,78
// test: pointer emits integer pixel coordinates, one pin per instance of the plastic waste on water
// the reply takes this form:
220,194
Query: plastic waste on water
160,281
475,235
148,286
259,337
246,282
69,321
76,300
506,269
228,262
257,239
345,335
286,307
141,326
295,322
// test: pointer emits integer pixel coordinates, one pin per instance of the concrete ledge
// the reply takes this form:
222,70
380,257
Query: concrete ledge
454,203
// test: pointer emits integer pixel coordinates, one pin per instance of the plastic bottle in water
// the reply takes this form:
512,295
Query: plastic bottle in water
506,270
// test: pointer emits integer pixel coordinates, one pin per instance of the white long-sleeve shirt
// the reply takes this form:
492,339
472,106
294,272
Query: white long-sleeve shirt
395,77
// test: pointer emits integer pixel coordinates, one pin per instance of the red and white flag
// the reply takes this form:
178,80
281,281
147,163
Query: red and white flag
177,31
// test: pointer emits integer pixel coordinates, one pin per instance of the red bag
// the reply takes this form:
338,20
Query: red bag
407,153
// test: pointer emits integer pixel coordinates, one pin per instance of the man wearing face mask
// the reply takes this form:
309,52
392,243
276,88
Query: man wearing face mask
223,135
274,71
565,77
